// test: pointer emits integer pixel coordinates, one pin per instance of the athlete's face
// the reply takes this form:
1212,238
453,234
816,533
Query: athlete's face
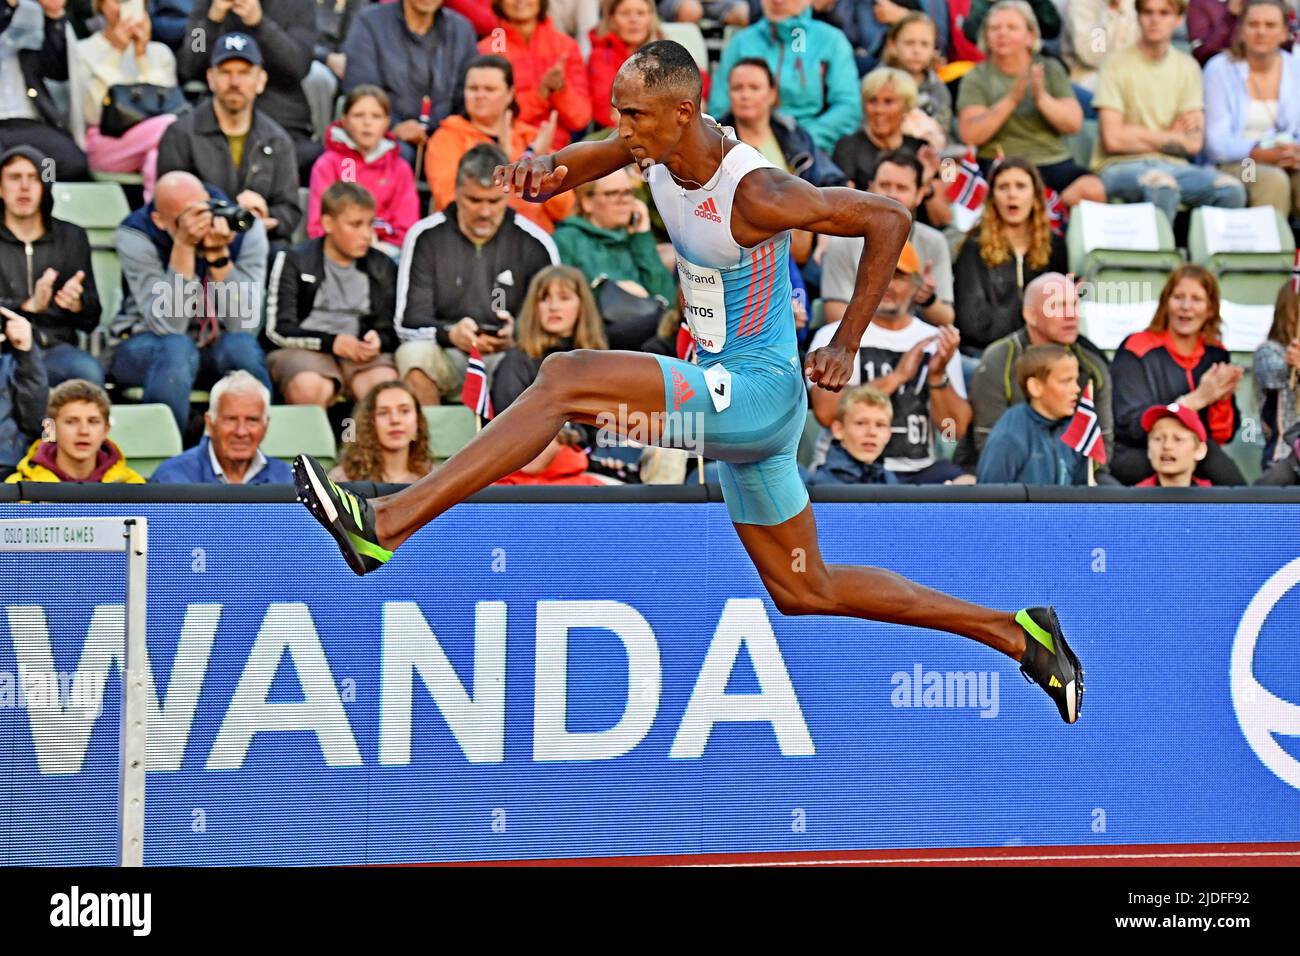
395,419
1057,394
1173,449
558,308
650,124
864,432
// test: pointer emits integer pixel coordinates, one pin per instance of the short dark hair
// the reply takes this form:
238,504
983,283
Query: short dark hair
491,61
480,163
343,194
899,157
377,93
668,66
758,63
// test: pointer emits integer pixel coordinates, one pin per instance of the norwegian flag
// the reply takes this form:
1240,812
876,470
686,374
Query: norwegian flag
968,187
1084,431
474,393
1057,215
1295,274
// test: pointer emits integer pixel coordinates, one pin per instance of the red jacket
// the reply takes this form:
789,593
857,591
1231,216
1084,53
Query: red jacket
568,467
530,61
1148,371
388,177
477,12
608,54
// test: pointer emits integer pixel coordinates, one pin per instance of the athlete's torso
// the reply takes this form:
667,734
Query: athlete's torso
737,299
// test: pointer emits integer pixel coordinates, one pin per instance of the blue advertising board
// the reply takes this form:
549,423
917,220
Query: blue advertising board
545,681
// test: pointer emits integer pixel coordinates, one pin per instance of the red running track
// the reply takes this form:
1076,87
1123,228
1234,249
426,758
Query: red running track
1160,854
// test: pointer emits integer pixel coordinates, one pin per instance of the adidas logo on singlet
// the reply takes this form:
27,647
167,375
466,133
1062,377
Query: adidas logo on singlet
708,210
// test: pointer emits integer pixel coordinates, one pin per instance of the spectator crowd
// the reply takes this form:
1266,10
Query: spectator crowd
314,223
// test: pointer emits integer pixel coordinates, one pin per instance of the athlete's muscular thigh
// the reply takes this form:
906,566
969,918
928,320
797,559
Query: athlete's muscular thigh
597,384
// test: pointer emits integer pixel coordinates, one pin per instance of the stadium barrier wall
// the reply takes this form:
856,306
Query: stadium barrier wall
610,679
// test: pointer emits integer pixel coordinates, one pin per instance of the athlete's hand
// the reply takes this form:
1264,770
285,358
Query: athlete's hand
830,367
530,177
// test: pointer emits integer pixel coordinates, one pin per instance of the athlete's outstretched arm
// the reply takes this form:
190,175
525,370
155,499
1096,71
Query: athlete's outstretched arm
539,178
769,201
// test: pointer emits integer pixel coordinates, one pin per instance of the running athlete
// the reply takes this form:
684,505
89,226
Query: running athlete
729,212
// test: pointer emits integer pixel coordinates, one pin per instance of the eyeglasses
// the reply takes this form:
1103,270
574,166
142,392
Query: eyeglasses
615,193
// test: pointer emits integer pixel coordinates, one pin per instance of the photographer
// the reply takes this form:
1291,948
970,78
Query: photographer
473,260
239,149
23,389
194,294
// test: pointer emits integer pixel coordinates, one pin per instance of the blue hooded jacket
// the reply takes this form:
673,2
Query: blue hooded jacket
814,69
1025,448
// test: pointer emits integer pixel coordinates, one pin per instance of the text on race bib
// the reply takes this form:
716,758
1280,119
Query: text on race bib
705,301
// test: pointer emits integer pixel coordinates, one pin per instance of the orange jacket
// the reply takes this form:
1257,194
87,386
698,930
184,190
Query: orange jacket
454,137
530,61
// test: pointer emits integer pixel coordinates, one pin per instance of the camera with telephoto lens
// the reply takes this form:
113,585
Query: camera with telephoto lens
237,218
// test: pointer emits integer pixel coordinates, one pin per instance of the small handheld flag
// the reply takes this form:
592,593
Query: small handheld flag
1084,431
474,394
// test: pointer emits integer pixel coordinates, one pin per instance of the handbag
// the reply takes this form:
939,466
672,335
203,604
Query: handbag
126,104
629,319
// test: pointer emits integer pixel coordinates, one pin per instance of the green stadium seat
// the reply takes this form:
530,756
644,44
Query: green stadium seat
300,430
450,429
1251,273
147,435
1089,256
689,36
99,208
124,179
1118,302
134,393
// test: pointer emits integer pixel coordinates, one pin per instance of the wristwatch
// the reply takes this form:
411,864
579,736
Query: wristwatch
943,383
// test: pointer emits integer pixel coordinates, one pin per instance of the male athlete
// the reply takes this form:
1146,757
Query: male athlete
729,212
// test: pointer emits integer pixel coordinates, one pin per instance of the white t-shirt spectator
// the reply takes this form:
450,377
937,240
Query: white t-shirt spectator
840,263
912,446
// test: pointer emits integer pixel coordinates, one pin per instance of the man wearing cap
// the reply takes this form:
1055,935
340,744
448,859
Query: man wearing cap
917,366
1175,443
241,150
285,31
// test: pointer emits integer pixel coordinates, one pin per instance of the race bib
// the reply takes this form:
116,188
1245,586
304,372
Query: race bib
706,310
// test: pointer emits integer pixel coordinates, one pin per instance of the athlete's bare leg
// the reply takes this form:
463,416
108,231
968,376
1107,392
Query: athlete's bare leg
789,561
570,387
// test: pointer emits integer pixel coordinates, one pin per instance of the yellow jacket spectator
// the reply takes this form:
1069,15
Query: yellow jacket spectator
81,451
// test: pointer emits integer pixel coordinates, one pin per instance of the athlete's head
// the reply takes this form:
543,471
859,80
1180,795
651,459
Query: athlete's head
657,96
1049,377
863,423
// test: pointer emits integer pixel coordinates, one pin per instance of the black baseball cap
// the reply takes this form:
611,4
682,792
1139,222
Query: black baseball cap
236,46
